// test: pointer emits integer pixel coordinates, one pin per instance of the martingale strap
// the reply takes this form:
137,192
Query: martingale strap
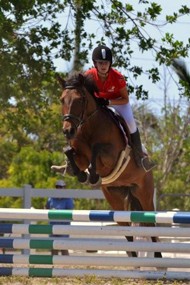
120,167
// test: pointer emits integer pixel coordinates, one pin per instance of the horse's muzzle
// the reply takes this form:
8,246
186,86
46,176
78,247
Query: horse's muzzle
69,133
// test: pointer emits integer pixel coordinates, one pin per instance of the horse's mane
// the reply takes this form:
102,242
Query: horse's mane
78,79
90,84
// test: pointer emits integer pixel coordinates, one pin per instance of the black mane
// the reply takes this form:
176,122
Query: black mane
90,84
82,80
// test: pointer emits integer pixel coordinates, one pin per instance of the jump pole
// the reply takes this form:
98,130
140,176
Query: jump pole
103,216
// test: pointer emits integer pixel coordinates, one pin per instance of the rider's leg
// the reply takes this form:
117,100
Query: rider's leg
141,158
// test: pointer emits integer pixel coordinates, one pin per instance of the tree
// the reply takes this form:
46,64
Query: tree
26,68
33,34
168,142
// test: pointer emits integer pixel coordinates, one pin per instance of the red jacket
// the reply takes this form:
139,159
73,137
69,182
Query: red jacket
110,88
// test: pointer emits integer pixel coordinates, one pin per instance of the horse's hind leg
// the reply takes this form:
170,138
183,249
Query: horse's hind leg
131,203
147,204
157,254
131,253
119,200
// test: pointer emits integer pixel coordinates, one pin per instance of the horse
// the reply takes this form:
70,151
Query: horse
101,145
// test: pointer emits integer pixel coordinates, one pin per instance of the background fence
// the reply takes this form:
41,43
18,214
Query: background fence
27,193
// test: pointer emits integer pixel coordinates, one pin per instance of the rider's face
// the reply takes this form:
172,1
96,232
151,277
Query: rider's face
103,65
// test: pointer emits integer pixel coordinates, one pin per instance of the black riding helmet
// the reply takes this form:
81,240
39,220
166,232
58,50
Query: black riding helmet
102,52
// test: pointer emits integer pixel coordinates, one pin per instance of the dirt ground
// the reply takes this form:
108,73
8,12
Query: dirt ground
84,281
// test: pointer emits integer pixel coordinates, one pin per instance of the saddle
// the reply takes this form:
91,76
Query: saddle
120,122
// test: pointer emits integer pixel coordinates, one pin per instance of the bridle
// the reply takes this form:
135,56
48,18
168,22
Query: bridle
78,121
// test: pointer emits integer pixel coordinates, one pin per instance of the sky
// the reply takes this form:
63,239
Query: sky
181,31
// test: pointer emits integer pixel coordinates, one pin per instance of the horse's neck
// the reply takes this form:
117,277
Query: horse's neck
91,106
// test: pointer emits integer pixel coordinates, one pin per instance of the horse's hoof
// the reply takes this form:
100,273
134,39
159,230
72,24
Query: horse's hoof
157,255
83,177
95,181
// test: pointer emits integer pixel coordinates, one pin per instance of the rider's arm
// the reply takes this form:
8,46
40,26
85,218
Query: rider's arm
124,99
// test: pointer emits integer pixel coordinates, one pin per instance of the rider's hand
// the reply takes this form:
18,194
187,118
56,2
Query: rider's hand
102,101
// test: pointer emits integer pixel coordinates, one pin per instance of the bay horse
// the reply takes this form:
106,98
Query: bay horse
99,144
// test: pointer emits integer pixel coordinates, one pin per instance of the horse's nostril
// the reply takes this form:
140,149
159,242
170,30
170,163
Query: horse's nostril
66,133
69,133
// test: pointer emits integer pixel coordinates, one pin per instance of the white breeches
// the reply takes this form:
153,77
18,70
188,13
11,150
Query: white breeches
126,112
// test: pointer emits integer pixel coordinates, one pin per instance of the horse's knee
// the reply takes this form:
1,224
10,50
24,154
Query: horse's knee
68,151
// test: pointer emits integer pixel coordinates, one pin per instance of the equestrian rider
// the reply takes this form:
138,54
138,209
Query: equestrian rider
113,88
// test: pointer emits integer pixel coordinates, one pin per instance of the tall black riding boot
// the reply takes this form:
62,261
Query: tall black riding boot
141,159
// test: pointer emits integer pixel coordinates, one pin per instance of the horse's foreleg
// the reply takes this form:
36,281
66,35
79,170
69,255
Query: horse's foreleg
81,175
94,178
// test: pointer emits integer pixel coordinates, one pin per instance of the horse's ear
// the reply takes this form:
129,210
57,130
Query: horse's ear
60,80
81,78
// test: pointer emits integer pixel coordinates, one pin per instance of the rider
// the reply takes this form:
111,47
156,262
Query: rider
113,88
